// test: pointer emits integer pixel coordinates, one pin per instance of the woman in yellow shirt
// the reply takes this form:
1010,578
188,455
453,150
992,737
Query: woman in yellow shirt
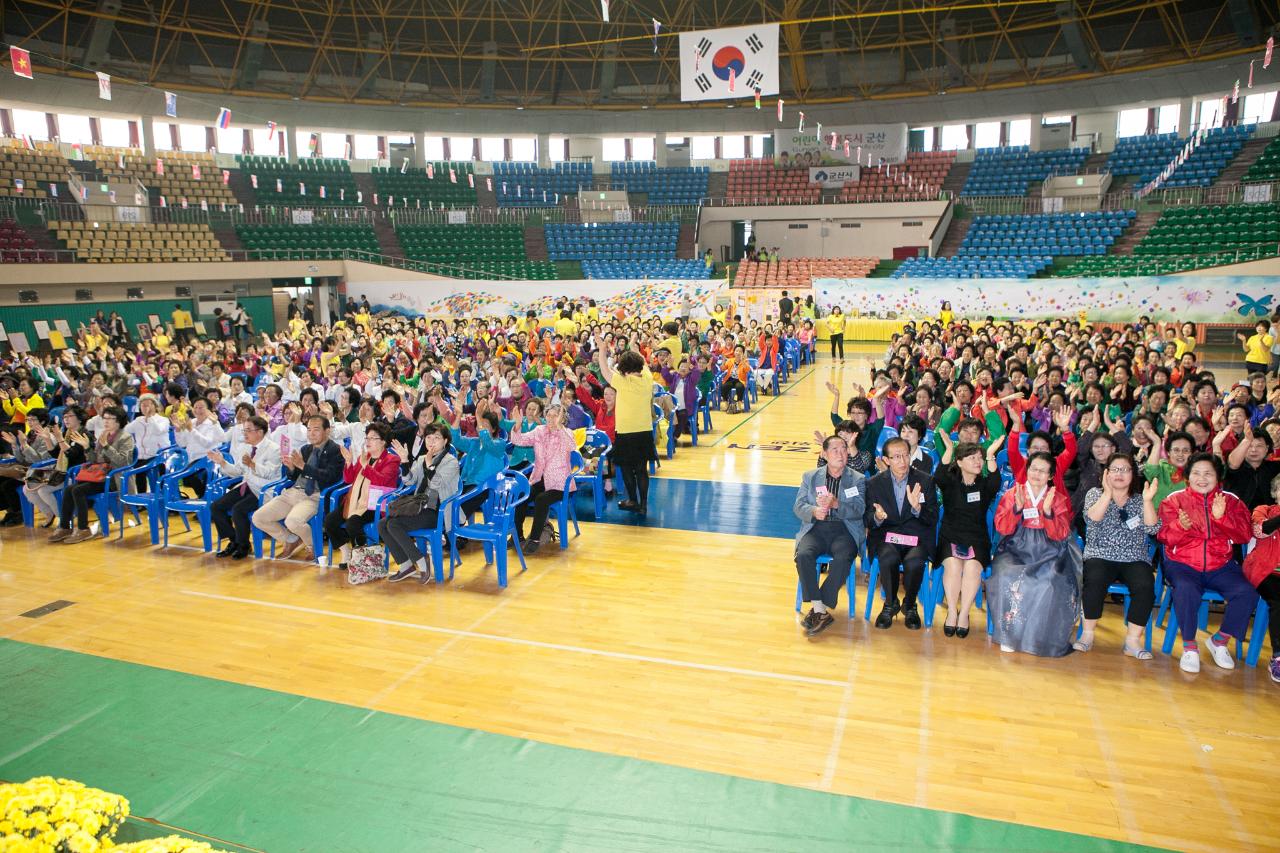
945,315
835,328
1257,348
18,401
633,449
159,339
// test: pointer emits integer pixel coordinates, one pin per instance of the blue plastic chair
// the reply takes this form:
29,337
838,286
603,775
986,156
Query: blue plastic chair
595,481
106,504
371,528
175,501
886,433
29,511
704,406
268,491
565,509
1171,630
164,463
435,537
925,599
507,490
851,586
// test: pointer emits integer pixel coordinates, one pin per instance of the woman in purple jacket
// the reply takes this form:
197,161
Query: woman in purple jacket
683,382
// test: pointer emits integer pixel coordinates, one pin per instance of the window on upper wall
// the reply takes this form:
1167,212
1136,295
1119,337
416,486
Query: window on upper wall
493,148
1131,122
229,141
702,147
524,149
432,147
1058,119
334,145
1167,116
115,132
366,146
1210,113
955,137
558,149
73,128
613,149
266,143
1258,107
302,143
733,147
161,135
926,134
757,144
462,147
986,134
672,139
191,137
30,123
642,148
1020,131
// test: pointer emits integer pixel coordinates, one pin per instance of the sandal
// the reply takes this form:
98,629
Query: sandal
1138,653
1081,646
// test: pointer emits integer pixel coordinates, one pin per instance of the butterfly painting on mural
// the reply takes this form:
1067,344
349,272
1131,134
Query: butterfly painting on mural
1250,305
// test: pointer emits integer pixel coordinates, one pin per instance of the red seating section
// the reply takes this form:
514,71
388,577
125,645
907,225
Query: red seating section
16,247
927,169
800,272
760,182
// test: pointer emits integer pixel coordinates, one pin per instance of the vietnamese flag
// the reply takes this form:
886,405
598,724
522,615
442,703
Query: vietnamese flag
21,61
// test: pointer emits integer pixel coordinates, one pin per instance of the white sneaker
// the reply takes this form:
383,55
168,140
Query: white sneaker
1221,654
1190,661
1005,648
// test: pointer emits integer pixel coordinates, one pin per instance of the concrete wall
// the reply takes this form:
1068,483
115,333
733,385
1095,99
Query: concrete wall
832,231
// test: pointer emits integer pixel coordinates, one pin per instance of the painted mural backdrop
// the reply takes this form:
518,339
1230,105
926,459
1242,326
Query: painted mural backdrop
457,297
1199,299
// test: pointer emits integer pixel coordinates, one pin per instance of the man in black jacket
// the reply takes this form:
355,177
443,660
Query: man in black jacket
901,520
313,468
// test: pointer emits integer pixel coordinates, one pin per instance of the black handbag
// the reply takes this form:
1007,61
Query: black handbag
423,499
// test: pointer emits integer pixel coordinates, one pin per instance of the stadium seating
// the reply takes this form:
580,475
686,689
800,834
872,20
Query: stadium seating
759,181
1008,171
613,241
17,247
678,185
121,242
473,251
188,175
667,268
27,174
529,185
919,177
1145,157
800,272
306,242
1022,267
1112,265
1090,233
312,182
1267,166
449,185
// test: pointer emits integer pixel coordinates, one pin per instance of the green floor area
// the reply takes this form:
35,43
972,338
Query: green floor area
278,772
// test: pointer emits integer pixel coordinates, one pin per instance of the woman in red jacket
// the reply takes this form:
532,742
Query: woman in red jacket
1262,568
374,473
1199,526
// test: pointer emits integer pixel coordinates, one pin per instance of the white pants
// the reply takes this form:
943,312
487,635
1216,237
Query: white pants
295,507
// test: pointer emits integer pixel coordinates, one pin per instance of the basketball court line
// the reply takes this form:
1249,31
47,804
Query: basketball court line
758,409
521,641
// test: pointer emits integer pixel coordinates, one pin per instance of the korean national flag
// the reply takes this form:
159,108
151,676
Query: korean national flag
734,62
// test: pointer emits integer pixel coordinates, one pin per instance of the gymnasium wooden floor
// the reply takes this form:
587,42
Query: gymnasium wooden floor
275,706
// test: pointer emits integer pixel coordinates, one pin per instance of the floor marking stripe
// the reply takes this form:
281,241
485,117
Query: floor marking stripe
520,641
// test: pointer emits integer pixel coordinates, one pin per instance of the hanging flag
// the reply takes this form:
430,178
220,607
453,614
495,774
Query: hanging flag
170,104
302,188
488,185
800,129
657,25
1251,61
163,202
279,185
104,86
757,98
53,190
747,55
453,176
204,205
313,144
391,201
404,165
226,176
271,130
431,172
111,194
224,118
504,187
323,192
184,202
19,184
1266,57
84,193
77,149
1235,92
360,198
28,143
846,148
159,166
471,180
779,109
253,181
120,161
255,208
604,10
818,133
342,194
195,171
833,141
21,61
418,204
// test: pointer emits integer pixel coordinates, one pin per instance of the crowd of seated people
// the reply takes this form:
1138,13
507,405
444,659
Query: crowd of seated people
1071,463
307,441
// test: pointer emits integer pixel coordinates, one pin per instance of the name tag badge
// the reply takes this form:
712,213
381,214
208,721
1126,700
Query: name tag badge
902,539
1031,513
851,492
1133,523
973,497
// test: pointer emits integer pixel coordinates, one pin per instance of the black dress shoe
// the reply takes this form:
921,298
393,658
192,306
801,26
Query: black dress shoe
12,519
227,551
630,506
962,632
885,619
911,618
529,545
822,623
240,552
810,619
948,630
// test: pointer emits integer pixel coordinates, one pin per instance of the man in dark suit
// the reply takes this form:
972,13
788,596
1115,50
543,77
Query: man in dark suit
901,519
313,468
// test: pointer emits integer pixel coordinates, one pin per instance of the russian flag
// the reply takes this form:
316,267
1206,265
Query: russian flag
224,118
